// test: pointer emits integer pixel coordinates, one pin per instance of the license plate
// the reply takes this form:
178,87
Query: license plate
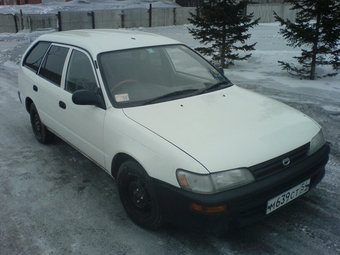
287,196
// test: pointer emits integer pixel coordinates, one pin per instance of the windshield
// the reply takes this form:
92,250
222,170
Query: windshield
151,75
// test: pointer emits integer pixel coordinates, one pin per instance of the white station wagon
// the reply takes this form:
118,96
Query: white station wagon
184,143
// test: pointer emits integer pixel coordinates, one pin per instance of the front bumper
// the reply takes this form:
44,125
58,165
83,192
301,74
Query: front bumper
244,205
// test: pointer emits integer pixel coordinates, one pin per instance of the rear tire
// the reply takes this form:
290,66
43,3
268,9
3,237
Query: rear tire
42,134
138,196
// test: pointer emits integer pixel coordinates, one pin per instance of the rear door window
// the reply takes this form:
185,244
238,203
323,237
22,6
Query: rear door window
52,67
36,55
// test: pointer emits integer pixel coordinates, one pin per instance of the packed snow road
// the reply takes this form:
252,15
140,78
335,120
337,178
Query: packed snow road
53,200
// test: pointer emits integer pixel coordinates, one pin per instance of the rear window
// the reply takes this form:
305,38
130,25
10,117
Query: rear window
36,55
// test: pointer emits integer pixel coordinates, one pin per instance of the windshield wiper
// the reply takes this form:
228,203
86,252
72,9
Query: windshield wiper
174,94
215,86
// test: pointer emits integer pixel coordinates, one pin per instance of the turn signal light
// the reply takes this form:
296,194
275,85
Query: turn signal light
208,209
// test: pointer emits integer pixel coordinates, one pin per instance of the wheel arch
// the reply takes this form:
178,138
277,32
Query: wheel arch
28,103
117,161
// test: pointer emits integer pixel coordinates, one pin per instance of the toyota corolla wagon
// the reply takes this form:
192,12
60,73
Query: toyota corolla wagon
184,143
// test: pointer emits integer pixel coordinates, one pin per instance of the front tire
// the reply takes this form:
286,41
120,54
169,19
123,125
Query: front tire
137,195
42,134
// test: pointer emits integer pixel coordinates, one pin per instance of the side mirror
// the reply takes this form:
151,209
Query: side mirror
87,97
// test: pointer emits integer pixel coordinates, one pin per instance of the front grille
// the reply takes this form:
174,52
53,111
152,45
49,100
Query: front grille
275,165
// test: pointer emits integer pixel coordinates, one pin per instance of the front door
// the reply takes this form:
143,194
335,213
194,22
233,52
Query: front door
82,124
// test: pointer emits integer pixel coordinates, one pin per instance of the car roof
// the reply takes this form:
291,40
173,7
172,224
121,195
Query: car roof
102,40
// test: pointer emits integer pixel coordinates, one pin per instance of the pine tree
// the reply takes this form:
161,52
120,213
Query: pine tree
221,26
317,30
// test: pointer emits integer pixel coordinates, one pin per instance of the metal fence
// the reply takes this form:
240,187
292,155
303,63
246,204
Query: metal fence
12,23
266,11
67,20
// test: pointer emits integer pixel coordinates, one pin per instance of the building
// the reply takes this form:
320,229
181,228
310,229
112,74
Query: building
22,2
193,3
19,2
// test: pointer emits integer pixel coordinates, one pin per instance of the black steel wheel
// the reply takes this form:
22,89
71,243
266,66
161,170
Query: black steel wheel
42,134
137,195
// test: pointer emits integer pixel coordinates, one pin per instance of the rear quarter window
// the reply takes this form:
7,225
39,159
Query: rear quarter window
36,55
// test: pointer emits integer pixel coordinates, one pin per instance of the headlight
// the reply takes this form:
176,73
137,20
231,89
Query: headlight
316,143
212,183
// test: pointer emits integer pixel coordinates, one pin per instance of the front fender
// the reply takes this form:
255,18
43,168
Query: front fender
159,157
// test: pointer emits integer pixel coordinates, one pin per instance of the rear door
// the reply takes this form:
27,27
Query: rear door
46,63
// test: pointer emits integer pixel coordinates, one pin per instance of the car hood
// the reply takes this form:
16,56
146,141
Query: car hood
228,128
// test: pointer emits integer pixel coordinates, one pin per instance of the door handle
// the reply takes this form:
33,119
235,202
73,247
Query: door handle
62,105
35,88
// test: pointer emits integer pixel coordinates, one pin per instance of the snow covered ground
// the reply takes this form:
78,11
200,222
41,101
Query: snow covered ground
55,201
84,5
